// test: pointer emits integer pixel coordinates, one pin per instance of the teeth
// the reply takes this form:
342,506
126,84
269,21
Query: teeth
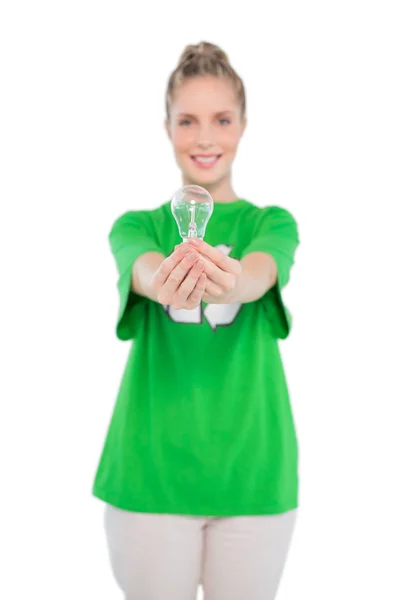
204,159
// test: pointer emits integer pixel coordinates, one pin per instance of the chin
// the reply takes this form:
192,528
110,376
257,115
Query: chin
203,177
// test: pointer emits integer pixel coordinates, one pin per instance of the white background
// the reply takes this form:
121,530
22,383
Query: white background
82,140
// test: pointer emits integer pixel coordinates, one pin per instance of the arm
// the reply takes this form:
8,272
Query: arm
264,267
230,280
143,271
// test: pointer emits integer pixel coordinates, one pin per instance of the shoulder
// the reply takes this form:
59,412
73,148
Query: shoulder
137,219
276,212
272,216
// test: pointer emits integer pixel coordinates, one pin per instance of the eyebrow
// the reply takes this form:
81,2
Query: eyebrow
218,114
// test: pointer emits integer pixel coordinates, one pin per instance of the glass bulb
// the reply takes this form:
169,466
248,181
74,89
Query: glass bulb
192,207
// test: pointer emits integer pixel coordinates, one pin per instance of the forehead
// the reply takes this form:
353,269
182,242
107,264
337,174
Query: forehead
202,95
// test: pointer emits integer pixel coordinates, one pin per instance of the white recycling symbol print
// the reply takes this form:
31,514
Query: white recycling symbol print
215,314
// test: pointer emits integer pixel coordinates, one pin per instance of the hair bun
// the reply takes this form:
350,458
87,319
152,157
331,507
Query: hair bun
203,59
203,49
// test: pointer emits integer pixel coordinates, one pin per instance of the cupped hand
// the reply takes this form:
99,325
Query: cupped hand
221,270
180,281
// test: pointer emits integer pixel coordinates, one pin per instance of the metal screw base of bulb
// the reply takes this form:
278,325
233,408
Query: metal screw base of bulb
187,239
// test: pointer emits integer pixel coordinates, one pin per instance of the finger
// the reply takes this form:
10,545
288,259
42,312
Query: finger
219,277
184,246
188,284
226,263
196,296
167,266
178,274
212,289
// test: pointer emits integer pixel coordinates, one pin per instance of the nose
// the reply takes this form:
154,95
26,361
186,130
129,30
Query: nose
205,137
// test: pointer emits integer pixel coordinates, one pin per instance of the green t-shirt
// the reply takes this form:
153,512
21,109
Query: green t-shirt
202,424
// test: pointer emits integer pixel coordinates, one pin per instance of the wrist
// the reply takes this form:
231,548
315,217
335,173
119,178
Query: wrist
144,269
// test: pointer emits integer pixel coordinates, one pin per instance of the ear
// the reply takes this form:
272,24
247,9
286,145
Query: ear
167,128
244,125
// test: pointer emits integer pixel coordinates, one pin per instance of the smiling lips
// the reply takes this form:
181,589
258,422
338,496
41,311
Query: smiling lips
205,161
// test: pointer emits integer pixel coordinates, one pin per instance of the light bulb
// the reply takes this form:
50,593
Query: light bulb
192,207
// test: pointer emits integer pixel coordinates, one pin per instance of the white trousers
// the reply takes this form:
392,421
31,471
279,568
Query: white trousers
167,557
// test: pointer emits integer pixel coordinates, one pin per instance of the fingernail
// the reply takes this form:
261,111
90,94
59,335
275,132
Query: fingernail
192,255
195,241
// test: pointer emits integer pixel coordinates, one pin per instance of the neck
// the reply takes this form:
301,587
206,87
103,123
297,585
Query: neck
221,191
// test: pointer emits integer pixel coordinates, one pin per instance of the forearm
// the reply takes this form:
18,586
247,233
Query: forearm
258,275
143,271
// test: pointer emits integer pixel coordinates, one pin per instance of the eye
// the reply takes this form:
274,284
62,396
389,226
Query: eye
224,121
184,122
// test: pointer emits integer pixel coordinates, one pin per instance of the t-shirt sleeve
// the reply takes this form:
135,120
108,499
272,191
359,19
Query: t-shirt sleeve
131,235
277,235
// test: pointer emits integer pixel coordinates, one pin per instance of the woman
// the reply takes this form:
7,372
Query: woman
199,466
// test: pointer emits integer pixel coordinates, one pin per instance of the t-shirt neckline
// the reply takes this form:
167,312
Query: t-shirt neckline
229,205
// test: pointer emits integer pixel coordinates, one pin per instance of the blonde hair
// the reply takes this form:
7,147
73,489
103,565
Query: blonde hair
204,59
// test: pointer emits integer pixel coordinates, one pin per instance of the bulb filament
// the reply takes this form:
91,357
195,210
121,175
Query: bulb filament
192,224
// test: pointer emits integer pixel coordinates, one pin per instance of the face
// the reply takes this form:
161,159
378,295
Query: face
205,128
